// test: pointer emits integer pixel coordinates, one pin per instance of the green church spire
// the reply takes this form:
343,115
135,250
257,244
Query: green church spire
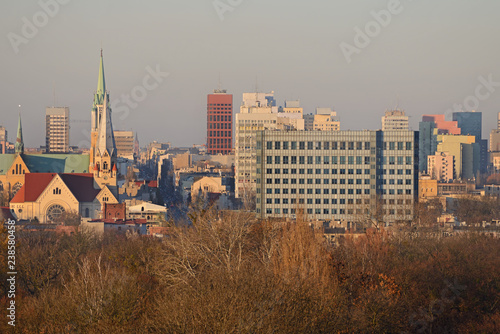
101,85
19,146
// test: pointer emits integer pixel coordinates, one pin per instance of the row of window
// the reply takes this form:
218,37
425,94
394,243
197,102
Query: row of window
219,126
219,104
341,191
219,134
317,181
327,201
334,160
333,211
342,145
219,118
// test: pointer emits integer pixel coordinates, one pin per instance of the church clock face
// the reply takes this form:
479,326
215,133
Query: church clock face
105,178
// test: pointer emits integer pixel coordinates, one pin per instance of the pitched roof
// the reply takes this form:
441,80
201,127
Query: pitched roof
34,185
57,163
48,163
81,185
6,160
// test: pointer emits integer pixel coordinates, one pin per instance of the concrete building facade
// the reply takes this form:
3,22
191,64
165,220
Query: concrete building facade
394,120
350,175
57,129
441,167
258,112
124,141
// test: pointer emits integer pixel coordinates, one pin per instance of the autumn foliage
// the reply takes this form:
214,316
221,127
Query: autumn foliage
228,273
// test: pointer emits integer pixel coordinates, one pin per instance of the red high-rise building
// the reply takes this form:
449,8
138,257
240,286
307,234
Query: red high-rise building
219,122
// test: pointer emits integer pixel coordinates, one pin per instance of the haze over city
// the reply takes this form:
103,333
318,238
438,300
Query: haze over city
428,58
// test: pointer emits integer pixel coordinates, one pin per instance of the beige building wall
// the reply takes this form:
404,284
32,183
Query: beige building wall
441,167
326,122
461,148
207,185
428,187
124,142
394,120
55,199
57,129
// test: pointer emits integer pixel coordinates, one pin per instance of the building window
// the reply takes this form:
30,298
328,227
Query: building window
54,212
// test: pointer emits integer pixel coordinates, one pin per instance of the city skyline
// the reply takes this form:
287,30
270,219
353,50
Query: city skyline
423,68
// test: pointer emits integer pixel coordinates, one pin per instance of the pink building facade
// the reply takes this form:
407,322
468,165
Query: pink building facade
444,127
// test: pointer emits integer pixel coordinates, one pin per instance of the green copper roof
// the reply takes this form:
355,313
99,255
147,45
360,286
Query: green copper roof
57,163
19,146
48,163
6,160
101,85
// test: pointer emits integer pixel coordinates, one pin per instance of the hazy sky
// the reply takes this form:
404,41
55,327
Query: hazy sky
427,58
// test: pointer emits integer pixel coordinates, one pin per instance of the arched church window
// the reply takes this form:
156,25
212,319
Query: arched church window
105,165
54,212
16,188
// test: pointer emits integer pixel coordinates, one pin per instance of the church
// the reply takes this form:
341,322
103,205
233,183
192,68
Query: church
44,186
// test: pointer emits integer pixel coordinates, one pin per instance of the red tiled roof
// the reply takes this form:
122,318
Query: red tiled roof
34,185
81,185
153,184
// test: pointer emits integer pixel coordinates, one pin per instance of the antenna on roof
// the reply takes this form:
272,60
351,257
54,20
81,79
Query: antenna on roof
54,92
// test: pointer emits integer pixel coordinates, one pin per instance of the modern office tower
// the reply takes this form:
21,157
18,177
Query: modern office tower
394,120
57,129
430,127
441,167
470,122
466,153
124,142
3,140
219,122
359,176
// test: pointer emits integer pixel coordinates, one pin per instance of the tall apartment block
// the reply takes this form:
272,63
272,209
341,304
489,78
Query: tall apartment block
57,129
258,112
3,140
470,123
124,142
358,176
394,120
219,122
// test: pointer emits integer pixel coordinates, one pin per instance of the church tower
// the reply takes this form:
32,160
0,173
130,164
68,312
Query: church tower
103,155
19,145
